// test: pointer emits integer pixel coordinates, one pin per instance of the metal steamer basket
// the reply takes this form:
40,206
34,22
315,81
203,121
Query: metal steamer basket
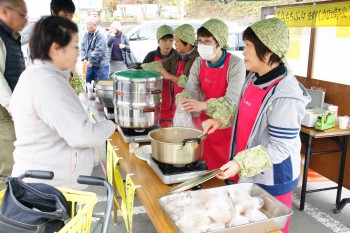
105,92
137,98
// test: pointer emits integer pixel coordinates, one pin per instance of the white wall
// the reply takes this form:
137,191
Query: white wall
37,8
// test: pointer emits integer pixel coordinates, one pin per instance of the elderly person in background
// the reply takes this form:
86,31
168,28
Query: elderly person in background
266,144
13,18
176,68
93,52
165,37
118,45
53,131
218,76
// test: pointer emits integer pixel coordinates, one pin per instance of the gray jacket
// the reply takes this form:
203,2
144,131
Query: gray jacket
277,128
96,50
53,134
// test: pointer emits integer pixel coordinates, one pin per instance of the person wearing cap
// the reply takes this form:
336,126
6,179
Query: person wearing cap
118,45
165,37
175,69
265,146
218,76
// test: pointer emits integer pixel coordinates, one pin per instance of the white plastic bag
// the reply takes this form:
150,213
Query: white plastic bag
182,118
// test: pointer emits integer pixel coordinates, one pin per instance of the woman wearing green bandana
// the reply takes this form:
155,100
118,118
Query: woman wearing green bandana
218,76
175,69
165,37
265,145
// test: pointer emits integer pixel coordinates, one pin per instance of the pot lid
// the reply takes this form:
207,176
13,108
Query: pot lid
137,74
195,181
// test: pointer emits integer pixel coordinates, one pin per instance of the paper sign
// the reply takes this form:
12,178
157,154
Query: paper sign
125,215
130,195
109,161
118,179
343,32
329,14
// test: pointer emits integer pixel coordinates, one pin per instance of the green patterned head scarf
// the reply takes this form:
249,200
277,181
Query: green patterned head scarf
186,33
219,30
164,30
274,34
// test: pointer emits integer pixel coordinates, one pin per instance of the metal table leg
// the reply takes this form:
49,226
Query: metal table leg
343,145
306,168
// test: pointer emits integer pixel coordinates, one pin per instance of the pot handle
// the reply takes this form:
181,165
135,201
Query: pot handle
155,92
145,110
198,139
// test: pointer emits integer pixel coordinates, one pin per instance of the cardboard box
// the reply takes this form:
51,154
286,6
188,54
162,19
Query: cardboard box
311,116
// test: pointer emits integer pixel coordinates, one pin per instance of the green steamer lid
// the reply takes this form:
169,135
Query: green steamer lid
137,75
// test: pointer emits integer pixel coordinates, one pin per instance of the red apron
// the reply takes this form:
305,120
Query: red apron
247,112
216,145
167,110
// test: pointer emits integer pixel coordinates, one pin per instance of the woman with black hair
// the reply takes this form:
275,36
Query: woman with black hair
175,69
265,146
218,76
53,131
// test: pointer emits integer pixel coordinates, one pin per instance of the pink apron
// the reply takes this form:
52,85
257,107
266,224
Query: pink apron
216,145
166,113
248,110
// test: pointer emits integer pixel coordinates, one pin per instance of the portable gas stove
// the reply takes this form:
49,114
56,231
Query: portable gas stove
109,113
171,174
135,135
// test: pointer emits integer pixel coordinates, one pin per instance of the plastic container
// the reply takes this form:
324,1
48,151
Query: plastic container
343,122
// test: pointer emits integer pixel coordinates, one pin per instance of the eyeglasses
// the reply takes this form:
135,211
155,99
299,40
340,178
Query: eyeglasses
23,15
205,41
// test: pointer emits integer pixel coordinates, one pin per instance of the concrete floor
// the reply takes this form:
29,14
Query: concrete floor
318,216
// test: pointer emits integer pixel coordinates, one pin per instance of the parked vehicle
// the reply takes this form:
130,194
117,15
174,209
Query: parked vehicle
142,37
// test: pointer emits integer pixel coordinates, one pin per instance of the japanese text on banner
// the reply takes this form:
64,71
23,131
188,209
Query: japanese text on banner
332,14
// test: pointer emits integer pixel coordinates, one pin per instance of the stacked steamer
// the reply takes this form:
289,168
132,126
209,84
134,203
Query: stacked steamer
137,98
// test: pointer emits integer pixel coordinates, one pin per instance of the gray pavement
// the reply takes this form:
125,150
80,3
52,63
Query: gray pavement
318,216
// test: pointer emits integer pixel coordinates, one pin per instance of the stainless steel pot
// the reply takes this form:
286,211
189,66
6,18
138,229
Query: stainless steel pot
132,117
105,92
137,88
177,145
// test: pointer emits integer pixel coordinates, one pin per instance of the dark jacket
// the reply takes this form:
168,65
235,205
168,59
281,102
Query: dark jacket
14,65
124,40
171,63
156,53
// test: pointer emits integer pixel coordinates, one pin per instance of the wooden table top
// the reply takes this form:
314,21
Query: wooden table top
152,188
332,132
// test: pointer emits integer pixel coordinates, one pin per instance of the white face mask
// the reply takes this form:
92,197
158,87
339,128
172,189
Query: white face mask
206,52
